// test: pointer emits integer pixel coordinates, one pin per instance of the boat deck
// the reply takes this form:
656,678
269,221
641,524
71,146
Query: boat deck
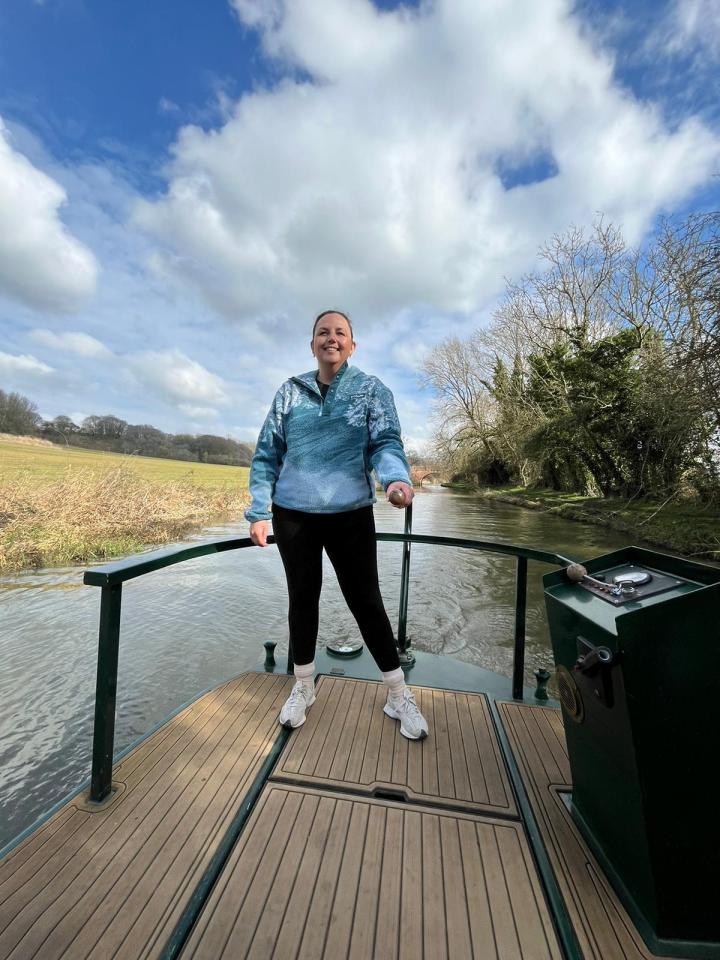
360,844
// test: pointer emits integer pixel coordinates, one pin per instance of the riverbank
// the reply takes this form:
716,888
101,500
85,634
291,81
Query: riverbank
688,528
85,516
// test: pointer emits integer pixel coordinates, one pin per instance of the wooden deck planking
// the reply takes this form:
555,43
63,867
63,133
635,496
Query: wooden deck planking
601,924
323,869
348,743
113,880
320,875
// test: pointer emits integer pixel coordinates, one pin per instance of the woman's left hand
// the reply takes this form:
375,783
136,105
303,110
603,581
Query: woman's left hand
406,489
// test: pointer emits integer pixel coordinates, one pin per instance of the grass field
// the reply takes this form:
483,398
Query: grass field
47,463
65,505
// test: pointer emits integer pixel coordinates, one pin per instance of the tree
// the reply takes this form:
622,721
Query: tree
587,396
465,436
62,427
18,415
64,424
598,373
145,440
212,449
686,261
105,426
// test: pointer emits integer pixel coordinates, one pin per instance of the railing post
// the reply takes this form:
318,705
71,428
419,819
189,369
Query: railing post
105,692
519,649
406,658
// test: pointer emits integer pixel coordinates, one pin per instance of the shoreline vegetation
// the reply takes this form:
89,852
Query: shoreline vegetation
60,506
686,527
599,372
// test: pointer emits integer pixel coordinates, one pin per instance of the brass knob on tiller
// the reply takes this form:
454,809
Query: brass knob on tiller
575,572
397,497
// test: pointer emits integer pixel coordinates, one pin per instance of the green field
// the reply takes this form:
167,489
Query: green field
49,463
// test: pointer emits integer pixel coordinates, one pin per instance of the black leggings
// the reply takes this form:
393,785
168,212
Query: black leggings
349,540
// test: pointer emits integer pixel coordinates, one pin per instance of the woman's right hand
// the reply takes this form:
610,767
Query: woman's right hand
259,532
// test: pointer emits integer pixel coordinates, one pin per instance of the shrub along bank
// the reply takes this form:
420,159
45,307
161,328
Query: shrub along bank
686,527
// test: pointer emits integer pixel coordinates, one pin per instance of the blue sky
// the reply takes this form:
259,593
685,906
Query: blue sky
183,184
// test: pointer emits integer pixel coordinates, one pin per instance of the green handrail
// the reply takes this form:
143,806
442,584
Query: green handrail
112,576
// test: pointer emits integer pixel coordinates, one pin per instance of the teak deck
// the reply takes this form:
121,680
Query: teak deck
347,743
402,849
601,923
114,881
363,878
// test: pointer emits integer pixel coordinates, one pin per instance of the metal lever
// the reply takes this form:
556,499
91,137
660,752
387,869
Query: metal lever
591,662
595,664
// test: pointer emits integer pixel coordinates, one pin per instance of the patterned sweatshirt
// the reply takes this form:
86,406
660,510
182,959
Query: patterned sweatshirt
317,455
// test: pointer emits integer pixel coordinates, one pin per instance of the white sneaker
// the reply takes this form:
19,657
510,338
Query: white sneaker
413,724
292,714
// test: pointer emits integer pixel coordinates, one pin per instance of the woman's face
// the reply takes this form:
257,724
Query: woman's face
332,342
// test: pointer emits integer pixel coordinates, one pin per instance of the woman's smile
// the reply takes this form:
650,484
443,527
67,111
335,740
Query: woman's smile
332,344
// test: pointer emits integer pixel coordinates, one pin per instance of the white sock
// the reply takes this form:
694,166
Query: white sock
394,680
305,673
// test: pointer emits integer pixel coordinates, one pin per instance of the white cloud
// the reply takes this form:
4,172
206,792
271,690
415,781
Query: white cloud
259,13
173,375
165,105
689,26
22,364
81,343
410,354
41,264
198,413
376,185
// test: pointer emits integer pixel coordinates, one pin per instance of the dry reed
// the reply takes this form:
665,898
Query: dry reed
88,516
30,441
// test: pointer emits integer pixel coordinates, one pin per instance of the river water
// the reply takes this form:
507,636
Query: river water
188,628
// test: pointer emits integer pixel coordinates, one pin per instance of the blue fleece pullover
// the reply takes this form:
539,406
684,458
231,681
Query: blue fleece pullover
317,455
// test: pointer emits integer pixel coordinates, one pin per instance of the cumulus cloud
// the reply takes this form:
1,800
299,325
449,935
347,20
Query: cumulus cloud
412,157
41,264
174,376
69,342
22,365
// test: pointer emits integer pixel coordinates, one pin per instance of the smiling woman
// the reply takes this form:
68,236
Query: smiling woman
334,337
325,434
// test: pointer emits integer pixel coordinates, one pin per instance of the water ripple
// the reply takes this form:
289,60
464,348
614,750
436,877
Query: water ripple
187,628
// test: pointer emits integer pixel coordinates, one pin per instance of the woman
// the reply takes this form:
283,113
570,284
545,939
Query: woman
326,432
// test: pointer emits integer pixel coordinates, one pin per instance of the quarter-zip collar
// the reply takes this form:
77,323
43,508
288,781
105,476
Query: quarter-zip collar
340,384
318,457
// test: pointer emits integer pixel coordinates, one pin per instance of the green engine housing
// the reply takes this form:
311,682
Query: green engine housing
639,678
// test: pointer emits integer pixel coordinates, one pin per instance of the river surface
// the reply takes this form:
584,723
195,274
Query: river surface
188,628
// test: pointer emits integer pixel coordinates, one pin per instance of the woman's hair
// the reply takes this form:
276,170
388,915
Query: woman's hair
325,313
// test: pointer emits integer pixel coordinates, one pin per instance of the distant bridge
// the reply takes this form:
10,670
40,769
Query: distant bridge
425,475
